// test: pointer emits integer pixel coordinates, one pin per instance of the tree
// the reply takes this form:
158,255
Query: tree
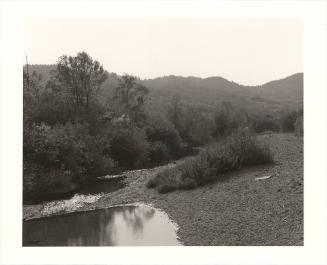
80,76
299,125
198,126
32,84
227,106
175,113
131,94
222,124
32,93
288,120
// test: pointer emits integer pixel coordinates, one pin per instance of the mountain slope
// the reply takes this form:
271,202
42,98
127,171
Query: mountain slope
283,93
210,92
286,89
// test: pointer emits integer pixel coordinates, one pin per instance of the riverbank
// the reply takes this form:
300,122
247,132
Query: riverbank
237,211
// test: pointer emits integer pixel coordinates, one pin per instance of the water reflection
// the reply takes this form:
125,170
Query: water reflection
117,226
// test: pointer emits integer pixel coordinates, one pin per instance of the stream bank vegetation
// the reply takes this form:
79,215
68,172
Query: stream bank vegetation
231,153
82,122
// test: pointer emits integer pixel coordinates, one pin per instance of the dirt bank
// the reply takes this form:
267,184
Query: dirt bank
237,211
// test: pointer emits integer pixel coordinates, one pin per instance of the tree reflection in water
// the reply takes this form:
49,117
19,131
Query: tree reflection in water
136,216
124,225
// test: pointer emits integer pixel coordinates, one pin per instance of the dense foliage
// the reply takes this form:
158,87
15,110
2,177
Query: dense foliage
289,120
234,152
80,122
73,132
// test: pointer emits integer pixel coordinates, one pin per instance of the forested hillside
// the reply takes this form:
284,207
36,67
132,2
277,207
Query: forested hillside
270,97
286,93
82,122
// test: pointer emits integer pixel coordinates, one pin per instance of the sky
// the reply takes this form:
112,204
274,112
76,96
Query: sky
246,51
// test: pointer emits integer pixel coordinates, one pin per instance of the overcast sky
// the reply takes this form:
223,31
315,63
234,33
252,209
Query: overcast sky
249,52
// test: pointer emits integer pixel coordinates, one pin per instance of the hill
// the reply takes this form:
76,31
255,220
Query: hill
283,93
286,93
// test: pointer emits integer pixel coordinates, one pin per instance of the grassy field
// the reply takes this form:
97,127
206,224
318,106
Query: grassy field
238,210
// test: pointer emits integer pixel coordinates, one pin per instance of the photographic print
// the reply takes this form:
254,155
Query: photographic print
163,132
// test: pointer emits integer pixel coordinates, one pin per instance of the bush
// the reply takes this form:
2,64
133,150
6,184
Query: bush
38,182
189,175
261,125
197,128
299,126
57,157
160,130
94,157
159,152
288,120
237,151
41,160
222,122
129,146
225,124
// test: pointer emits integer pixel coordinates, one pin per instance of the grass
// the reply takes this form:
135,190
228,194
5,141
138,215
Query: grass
239,150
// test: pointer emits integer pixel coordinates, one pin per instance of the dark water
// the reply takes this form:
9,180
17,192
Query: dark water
117,226
99,186
103,185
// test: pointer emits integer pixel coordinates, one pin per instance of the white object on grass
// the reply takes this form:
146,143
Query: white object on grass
264,177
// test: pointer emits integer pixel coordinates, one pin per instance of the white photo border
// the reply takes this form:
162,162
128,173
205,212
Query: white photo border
313,15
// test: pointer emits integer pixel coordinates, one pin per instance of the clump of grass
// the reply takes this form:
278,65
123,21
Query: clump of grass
236,151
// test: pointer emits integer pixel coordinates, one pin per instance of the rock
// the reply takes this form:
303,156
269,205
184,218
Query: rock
264,177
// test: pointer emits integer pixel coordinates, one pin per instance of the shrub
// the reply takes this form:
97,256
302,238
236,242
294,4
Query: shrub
129,146
159,152
237,151
38,181
42,169
94,157
197,128
159,129
222,122
299,126
225,124
288,120
261,125
56,157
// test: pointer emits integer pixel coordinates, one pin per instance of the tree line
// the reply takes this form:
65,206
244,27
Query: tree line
73,134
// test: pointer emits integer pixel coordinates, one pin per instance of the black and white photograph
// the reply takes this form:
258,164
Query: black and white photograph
163,132
166,130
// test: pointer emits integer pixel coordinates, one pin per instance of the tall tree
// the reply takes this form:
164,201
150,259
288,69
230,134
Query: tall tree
131,94
32,92
175,112
81,76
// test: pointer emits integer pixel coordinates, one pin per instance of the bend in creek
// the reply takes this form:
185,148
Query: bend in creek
128,225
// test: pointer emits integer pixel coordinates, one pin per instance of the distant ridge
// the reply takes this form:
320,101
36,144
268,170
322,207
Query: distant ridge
283,93
274,95
46,68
